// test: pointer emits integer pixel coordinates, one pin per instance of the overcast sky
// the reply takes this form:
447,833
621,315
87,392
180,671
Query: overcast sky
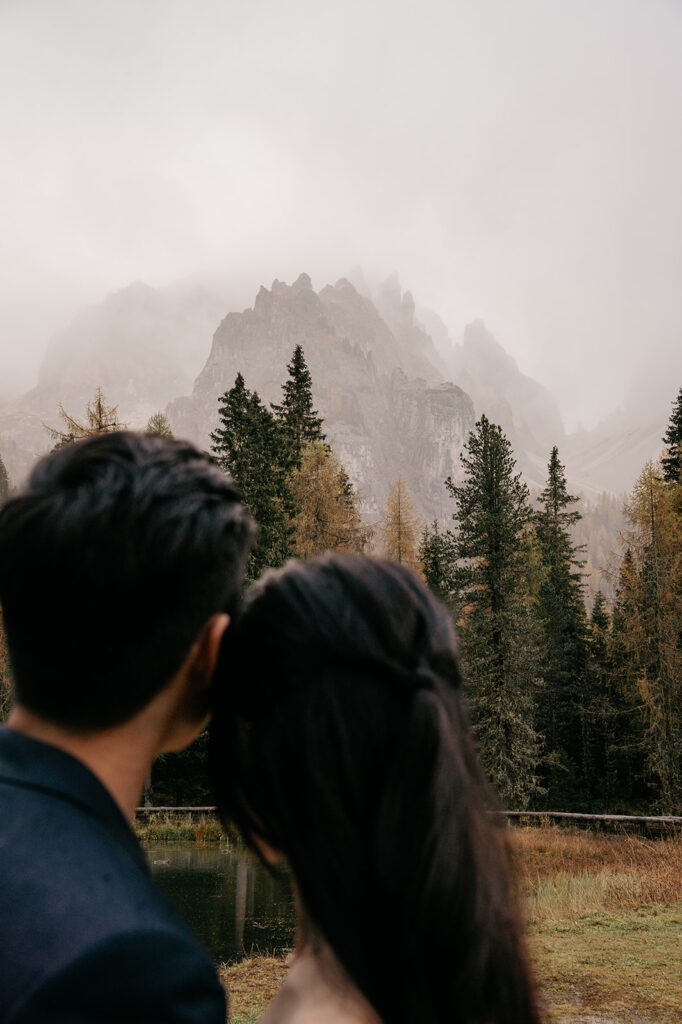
515,160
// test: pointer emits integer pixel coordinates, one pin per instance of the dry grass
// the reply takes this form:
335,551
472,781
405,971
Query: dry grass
568,874
553,849
250,985
169,827
605,916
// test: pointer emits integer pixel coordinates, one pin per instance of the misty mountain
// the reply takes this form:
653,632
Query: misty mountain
381,420
611,456
398,397
142,345
524,408
606,458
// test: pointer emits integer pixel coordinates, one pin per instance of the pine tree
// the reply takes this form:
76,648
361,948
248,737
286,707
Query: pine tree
625,739
4,482
599,707
249,445
655,629
672,460
158,424
327,518
100,418
399,528
300,423
437,562
564,719
600,623
499,647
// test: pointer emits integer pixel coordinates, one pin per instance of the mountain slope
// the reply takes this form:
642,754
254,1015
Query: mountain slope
142,345
380,371
381,422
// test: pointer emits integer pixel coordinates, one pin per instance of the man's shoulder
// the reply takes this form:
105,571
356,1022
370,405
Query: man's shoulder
60,857
73,890
68,858
142,975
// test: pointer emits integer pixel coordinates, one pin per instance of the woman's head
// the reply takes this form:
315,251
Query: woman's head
340,737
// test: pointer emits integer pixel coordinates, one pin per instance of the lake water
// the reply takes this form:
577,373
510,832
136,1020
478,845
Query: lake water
233,905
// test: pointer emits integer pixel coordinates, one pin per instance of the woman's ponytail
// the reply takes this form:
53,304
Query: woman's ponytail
341,737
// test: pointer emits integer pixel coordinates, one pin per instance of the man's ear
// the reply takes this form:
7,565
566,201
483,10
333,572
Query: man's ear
189,710
205,651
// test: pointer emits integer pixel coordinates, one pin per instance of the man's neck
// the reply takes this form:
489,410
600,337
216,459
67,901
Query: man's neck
120,757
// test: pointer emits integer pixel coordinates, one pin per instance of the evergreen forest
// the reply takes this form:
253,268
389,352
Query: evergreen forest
575,698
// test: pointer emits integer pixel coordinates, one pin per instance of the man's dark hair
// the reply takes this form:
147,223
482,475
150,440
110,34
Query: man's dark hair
344,742
117,552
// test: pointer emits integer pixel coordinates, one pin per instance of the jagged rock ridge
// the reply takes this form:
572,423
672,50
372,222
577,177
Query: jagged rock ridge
378,368
525,410
381,422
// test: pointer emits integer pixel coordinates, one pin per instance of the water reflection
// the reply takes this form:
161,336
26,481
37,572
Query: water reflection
230,901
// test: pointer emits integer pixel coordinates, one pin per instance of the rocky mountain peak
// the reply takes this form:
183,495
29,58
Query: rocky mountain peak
302,283
379,370
382,415
482,348
524,408
408,307
284,300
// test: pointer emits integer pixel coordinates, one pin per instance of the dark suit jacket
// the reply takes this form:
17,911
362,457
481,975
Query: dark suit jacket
84,933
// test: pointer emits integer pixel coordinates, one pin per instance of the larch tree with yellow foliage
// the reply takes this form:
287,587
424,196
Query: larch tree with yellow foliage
327,517
400,528
653,630
158,424
100,418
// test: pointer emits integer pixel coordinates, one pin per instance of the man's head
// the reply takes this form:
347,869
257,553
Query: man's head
113,559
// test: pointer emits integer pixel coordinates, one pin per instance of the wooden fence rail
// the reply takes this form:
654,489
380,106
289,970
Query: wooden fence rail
599,821
630,819
644,824
145,811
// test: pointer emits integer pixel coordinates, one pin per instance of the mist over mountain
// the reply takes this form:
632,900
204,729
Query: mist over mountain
398,395
386,408
609,458
146,343
142,345
525,410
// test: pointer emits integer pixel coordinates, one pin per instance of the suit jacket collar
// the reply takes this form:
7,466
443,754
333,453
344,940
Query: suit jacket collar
40,766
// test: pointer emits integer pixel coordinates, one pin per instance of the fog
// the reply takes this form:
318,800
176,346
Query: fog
519,162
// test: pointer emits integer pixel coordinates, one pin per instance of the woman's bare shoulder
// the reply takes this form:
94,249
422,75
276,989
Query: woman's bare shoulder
314,992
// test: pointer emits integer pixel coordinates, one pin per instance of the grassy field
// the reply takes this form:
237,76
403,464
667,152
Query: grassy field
605,926
605,923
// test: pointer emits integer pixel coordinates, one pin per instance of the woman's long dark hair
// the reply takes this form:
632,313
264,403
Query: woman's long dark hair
340,736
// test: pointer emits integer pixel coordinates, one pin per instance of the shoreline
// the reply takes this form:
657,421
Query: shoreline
604,928
202,825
